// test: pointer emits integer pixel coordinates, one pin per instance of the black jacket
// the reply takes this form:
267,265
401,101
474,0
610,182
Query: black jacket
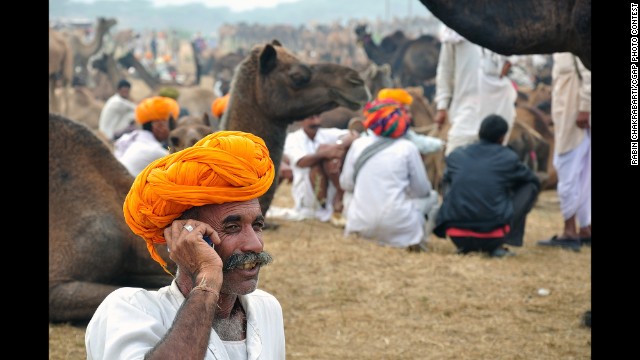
479,180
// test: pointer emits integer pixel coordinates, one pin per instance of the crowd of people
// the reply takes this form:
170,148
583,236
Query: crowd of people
370,183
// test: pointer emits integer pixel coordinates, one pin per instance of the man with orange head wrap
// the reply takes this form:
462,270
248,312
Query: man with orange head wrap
138,148
384,170
201,204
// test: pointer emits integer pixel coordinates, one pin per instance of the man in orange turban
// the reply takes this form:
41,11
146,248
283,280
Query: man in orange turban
138,148
202,204
219,105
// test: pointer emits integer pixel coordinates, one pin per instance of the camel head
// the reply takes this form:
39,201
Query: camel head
273,82
105,24
362,34
377,77
188,130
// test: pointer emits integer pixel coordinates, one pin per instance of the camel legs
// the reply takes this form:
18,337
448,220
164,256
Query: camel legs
76,300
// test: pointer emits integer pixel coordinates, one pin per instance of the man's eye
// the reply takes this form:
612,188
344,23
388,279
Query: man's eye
258,225
231,228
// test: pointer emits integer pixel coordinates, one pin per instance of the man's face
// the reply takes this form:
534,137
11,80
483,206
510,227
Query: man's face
160,130
311,125
239,226
124,92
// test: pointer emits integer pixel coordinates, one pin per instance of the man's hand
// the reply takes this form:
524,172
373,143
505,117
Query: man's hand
441,117
190,251
582,120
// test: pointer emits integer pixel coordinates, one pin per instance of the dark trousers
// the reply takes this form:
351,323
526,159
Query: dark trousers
523,200
468,244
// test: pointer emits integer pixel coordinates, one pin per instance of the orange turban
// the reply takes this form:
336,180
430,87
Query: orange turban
156,108
399,95
387,117
225,166
219,105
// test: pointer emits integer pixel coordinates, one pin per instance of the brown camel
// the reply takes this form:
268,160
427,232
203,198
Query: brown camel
84,107
375,77
187,131
92,251
413,61
83,51
511,27
196,99
272,88
60,68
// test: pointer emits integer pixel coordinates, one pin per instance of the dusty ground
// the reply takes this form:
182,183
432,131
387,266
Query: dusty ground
346,298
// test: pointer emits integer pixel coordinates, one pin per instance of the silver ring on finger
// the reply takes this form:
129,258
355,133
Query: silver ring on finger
189,228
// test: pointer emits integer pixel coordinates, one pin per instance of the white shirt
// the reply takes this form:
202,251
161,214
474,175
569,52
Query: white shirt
131,321
569,95
137,149
497,95
296,146
383,206
117,113
457,86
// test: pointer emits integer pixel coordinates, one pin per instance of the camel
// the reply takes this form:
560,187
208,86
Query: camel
187,131
375,77
107,75
413,61
92,251
272,88
516,27
196,99
84,107
128,60
82,51
60,68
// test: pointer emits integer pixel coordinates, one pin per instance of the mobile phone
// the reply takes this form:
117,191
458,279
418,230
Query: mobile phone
208,240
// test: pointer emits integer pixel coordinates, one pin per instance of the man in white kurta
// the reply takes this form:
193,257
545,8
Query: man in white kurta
571,113
298,145
497,93
457,97
131,321
137,149
118,111
387,199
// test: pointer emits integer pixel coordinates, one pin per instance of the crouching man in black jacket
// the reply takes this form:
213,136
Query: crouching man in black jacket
489,193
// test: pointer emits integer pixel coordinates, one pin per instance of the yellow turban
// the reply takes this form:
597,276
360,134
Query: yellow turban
219,105
156,108
399,95
225,166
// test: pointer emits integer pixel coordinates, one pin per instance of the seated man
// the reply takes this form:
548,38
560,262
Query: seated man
489,193
202,204
315,156
118,113
138,148
391,191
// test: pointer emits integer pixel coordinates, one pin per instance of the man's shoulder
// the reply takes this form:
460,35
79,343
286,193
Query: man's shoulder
129,293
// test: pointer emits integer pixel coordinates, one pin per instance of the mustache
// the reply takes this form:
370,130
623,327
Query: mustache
238,260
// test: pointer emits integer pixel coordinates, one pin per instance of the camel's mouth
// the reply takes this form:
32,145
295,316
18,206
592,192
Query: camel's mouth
351,103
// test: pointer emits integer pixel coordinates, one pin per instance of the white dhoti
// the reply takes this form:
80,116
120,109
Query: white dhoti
574,181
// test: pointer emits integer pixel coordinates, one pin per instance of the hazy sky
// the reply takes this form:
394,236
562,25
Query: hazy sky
233,5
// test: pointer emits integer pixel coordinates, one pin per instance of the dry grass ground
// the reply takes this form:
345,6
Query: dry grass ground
346,298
